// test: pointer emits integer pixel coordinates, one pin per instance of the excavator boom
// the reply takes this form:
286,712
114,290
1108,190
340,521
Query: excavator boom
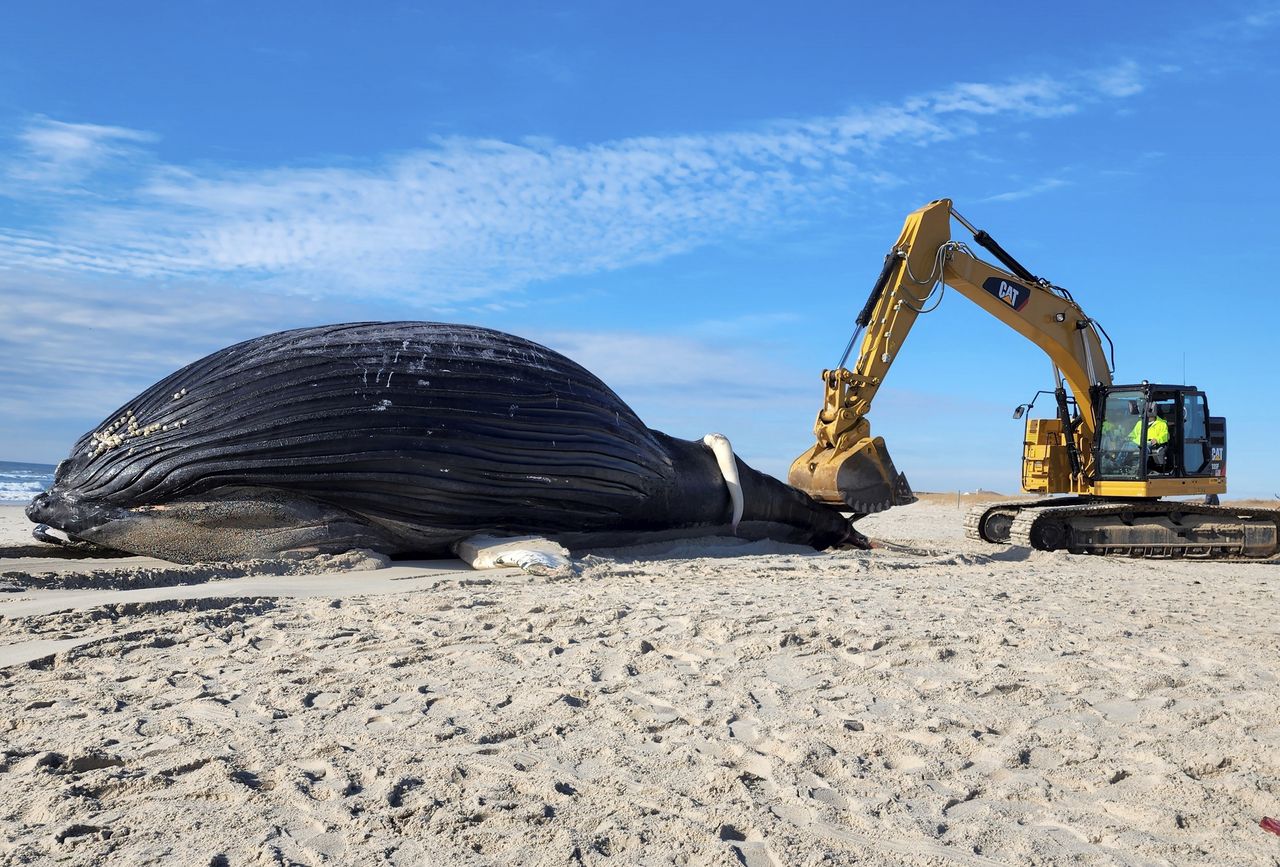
847,465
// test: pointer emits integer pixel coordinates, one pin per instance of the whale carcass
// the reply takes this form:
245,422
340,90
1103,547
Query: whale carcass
405,438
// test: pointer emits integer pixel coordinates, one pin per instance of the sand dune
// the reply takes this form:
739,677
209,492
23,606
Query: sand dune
931,702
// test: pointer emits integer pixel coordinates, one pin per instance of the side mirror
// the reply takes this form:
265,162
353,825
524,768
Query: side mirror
1017,413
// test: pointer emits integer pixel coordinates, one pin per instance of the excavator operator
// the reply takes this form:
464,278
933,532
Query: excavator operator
1157,440
1157,429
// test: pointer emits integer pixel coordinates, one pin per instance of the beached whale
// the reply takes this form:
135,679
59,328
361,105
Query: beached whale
406,438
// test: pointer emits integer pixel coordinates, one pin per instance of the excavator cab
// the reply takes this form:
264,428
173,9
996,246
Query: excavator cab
1158,432
1148,441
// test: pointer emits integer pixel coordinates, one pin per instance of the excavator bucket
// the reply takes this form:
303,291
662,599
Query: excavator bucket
862,479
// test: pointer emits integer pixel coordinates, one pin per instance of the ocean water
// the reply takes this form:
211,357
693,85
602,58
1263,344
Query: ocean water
20,482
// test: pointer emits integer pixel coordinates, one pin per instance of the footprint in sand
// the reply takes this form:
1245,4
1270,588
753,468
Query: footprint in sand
378,724
824,794
648,709
329,845
756,776
764,696
745,730
904,763
209,711
322,781
321,700
750,847
685,663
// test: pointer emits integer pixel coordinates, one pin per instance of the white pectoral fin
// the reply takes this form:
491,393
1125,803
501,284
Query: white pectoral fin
721,448
533,554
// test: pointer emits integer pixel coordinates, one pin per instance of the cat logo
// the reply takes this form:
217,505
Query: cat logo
1014,294
1215,454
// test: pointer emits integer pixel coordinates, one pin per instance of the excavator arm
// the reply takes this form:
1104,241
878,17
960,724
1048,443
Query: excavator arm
847,465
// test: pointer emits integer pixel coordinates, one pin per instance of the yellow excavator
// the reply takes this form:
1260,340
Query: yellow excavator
1113,450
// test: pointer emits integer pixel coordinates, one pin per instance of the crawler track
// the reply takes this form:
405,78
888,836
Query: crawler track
991,522
1160,529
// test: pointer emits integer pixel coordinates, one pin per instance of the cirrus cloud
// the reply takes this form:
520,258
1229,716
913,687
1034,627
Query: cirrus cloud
473,218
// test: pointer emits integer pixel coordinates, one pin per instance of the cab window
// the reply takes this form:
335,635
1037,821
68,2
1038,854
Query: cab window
1162,429
1195,435
1120,447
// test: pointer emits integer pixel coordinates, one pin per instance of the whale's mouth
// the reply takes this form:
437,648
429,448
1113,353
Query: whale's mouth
71,515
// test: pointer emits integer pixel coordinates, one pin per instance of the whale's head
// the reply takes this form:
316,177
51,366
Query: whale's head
77,517
64,506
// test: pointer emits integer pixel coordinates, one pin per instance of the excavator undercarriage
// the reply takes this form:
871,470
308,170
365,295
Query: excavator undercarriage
1157,529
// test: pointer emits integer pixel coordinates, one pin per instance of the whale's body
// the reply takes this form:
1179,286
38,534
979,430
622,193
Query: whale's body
402,437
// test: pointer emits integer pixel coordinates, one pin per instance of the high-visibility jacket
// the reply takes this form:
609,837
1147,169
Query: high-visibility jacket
1157,432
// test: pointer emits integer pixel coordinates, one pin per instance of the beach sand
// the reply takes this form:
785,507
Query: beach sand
932,702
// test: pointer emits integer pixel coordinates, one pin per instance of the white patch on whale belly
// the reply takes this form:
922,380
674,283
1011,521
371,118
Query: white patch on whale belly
720,447
533,554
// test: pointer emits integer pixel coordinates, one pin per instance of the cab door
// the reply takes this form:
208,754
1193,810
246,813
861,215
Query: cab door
1204,438
1196,454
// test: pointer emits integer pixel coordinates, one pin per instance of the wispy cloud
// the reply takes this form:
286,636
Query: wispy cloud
470,218
1038,97
1124,79
54,152
1028,191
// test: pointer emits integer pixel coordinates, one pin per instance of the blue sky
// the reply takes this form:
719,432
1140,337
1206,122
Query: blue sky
690,199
